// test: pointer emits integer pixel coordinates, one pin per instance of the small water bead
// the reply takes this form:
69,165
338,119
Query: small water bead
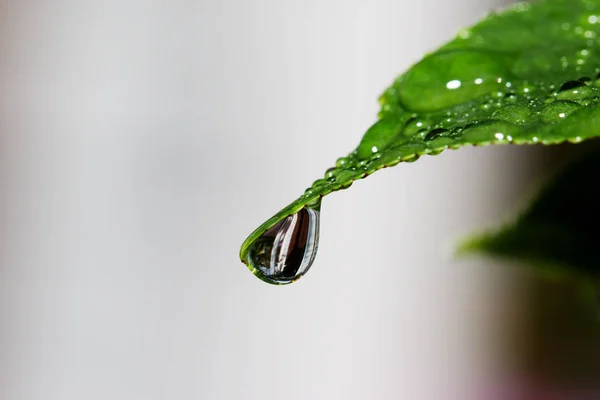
558,111
575,91
441,142
514,113
379,135
422,133
465,34
396,154
374,157
319,184
386,108
436,133
576,139
331,173
412,159
527,88
341,162
415,125
588,102
550,99
437,151
286,252
346,176
456,132
490,131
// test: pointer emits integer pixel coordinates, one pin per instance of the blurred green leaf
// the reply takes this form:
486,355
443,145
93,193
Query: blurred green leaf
561,228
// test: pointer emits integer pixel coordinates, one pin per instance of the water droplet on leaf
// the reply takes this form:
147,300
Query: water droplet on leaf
415,125
346,177
558,111
285,252
448,79
331,173
379,135
490,131
575,90
436,133
515,113
318,185
571,85
341,162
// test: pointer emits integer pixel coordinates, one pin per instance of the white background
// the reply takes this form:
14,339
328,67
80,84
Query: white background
143,140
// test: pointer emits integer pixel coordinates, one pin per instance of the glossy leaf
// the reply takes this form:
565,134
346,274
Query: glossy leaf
526,75
560,230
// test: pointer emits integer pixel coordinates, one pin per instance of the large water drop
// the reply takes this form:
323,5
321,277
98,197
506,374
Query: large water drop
447,79
558,111
286,251
575,91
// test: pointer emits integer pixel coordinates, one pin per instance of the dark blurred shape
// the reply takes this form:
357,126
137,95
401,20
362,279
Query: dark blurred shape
560,229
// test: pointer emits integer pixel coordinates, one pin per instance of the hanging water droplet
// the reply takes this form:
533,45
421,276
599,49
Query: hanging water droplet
285,252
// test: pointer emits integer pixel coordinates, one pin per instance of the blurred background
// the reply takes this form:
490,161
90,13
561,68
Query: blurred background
142,140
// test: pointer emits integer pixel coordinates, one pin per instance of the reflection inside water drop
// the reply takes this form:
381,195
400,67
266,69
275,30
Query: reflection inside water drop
286,251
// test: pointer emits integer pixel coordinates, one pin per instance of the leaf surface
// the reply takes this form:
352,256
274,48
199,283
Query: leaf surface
560,230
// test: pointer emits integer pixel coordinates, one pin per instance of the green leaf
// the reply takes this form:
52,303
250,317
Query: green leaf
526,75
561,228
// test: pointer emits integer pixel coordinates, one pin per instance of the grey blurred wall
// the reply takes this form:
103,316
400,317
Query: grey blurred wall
143,140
